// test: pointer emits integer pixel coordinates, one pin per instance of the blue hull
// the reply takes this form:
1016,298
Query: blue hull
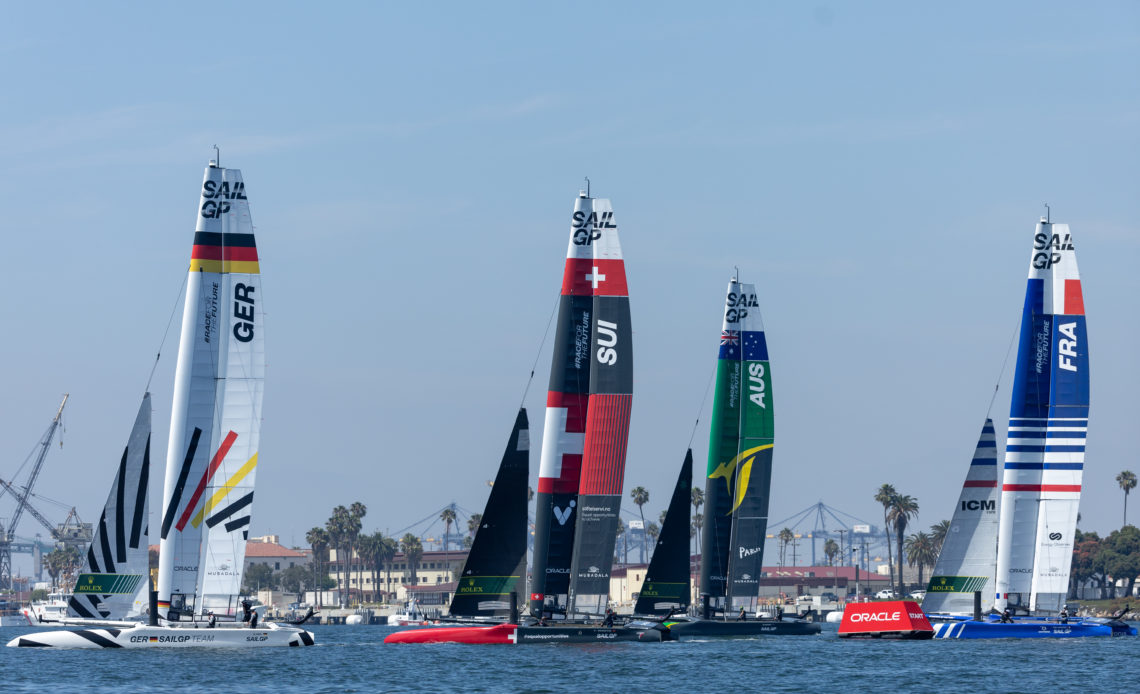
1031,629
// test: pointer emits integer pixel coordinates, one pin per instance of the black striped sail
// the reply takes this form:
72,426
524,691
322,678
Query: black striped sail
496,564
113,580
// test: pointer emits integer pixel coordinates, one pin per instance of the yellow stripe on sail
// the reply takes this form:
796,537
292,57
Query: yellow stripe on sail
226,488
248,267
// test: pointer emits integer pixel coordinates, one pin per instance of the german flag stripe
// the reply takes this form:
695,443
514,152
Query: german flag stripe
213,238
224,253
225,266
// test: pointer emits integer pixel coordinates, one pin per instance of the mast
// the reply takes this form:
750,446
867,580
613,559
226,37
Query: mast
215,420
564,429
1048,423
610,349
753,472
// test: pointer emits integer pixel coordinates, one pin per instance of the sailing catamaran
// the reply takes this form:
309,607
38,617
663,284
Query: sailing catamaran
212,453
1044,456
582,466
737,486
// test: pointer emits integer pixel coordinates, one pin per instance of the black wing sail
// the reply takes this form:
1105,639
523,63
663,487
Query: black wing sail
666,586
494,565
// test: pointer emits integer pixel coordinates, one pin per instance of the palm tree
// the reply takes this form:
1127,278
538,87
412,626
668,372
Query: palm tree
786,536
367,546
388,549
885,496
336,527
920,551
831,551
903,508
413,550
1127,482
352,531
318,539
653,532
938,533
448,517
640,496
698,499
620,537
473,523
698,523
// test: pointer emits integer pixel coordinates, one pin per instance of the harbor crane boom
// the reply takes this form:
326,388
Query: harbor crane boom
8,535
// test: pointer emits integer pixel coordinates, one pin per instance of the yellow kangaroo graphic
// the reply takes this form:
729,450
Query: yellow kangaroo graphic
724,470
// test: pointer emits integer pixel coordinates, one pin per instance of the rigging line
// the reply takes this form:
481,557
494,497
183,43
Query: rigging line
708,387
1001,374
166,333
542,344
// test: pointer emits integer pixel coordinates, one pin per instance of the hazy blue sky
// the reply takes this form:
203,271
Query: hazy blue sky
876,169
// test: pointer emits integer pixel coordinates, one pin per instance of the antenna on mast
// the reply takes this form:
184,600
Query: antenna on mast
218,156
587,185
1048,214
735,274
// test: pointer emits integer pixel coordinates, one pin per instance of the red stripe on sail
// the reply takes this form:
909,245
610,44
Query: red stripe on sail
607,436
217,460
1074,299
596,277
980,483
247,253
1041,488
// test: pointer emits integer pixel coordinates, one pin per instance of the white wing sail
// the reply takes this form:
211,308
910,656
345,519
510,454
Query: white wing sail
216,417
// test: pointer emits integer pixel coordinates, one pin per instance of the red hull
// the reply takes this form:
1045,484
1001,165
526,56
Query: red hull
500,633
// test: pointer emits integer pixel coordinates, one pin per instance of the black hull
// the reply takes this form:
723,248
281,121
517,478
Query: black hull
713,627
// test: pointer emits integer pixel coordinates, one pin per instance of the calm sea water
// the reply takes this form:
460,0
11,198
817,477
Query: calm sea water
355,659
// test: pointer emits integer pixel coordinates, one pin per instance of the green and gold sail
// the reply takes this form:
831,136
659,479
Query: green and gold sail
740,456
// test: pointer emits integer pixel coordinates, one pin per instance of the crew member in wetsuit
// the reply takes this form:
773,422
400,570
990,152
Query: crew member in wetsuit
1065,614
608,622
743,616
1006,616
253,621
246,606
212,622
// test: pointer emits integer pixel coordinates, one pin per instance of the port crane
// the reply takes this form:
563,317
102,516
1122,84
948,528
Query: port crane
8,535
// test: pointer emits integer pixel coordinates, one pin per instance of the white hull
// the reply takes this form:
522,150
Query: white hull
143,636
